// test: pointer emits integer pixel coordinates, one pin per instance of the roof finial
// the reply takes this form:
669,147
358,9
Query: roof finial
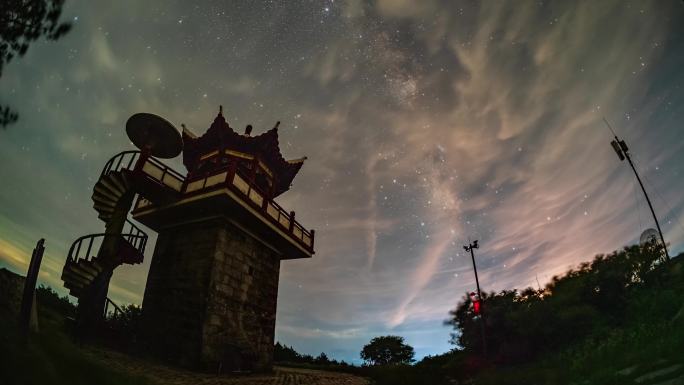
187,132
220,110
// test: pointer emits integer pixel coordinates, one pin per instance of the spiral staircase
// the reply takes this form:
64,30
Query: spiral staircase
92,258
82,267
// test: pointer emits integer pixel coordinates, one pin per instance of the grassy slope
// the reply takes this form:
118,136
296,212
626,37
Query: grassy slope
652,339
51,357
637,350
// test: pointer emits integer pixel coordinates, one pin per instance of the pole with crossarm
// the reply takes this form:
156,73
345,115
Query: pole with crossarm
622,152
470,248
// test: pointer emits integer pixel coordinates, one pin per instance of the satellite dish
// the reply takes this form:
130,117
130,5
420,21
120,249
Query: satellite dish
154,133
648,236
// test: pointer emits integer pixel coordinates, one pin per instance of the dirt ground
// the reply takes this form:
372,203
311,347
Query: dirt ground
163,375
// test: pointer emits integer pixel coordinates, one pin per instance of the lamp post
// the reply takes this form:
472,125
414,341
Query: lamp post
470,248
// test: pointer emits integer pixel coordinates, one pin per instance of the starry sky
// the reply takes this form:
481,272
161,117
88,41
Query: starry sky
427,125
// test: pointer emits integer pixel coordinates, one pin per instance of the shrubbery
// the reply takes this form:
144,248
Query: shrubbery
604,315
587,301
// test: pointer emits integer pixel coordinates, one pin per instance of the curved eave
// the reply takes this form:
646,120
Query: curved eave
266,146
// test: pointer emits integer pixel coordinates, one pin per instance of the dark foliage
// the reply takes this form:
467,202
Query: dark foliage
387,350
7,116
287,354
127,319
586,301
22,22
48,298
122,328
322,359
282,353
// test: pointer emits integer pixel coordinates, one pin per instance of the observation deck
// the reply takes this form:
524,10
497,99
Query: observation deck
215,194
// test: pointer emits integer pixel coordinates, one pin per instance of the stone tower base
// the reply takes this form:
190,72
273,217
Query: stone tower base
210,298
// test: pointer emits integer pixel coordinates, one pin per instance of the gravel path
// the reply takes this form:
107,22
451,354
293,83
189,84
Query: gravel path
164,375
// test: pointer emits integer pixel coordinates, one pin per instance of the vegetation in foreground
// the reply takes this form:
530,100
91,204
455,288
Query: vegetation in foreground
49,356
614,320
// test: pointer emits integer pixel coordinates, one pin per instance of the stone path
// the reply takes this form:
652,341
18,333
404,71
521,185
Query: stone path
163,375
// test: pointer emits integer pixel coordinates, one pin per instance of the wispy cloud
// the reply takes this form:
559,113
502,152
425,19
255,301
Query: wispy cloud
426,125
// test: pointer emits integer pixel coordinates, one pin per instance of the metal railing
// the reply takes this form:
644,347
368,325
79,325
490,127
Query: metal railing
81,248
152,168
123,160
255,197
117,309
229,177
163,174
135,236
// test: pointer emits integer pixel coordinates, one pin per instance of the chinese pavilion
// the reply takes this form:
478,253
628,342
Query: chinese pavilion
213,281
211,293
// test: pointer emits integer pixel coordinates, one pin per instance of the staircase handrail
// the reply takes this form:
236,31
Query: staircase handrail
135,236
126,160
117,309
119,160
71,257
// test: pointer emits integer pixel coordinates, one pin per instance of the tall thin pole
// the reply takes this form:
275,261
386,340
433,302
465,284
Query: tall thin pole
470,248
622,152
477,281
648,200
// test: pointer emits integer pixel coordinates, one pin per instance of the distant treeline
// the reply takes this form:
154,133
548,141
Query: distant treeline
610,292
287,354
619,310
624,309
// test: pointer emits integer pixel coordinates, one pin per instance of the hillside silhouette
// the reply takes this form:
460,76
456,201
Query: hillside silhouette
615,319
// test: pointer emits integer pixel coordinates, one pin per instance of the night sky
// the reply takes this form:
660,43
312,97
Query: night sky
426,123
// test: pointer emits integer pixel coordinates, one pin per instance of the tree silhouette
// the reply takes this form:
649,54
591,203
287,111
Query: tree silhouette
322,359
387,350
585,301
22,22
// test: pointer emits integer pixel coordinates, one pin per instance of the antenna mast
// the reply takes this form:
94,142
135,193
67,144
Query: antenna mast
622,152
470,248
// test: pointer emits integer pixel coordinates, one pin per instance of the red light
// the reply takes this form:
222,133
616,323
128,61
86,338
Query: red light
475,299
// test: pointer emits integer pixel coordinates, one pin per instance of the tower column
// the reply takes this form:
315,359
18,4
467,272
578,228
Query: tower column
212,289
211,294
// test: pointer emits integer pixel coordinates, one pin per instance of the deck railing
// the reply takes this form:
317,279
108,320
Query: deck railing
233,179
163,174
153,168
229,177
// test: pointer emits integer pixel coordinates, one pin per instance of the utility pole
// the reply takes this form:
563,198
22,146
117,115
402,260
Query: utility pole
622,152
470,248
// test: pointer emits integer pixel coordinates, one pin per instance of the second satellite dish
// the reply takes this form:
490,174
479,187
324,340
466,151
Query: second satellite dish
648,236
154,133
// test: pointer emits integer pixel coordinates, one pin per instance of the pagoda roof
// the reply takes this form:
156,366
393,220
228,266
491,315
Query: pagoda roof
265,147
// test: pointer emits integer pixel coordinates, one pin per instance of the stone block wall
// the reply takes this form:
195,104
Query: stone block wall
210,299
176,291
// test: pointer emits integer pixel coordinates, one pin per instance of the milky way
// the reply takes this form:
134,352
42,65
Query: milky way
426,125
